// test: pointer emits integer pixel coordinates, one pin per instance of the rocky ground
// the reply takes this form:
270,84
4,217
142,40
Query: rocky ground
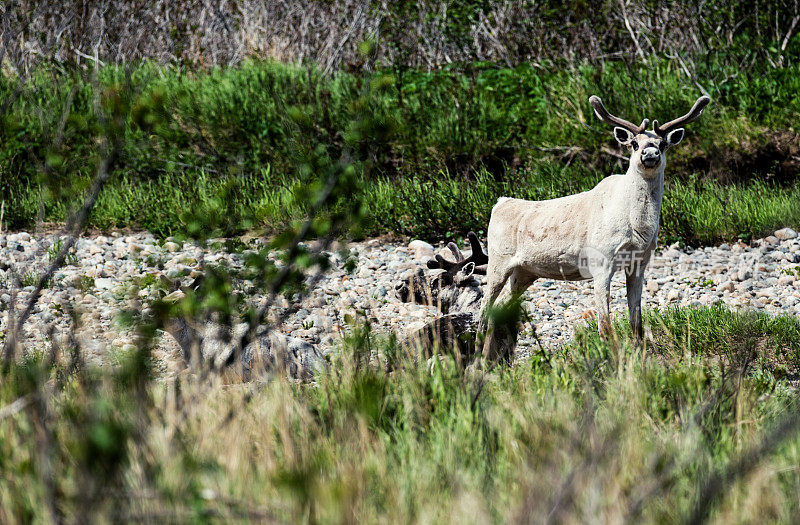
108,273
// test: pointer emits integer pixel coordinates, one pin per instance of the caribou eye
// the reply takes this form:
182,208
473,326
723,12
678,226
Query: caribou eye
635,145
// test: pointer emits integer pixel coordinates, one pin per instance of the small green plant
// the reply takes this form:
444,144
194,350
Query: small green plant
155,261
31,278
146,281
351,263
235,245
705,283
793,271
55,248
85,283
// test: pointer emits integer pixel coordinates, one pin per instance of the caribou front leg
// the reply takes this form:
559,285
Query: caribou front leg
602,295
633,285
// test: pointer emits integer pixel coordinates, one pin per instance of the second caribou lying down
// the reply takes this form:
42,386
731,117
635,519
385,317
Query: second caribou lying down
590,235
451,287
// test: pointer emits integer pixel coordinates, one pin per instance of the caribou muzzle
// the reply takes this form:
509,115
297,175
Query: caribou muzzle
651,157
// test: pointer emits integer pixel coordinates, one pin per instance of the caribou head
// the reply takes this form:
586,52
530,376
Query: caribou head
648,146
450,285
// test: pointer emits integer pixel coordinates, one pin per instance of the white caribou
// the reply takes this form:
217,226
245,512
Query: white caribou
589,235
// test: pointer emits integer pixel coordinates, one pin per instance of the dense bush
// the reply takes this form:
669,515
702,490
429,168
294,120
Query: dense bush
248,130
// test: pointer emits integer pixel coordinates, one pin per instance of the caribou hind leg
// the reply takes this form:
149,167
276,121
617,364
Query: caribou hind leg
500,340
496,279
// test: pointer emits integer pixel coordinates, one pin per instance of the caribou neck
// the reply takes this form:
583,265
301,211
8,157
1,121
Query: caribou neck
652,182
646,191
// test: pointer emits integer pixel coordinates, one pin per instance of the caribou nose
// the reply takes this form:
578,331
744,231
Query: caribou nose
651,157
650,153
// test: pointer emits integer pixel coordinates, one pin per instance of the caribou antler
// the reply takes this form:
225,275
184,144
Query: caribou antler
603,114
478,256
693,115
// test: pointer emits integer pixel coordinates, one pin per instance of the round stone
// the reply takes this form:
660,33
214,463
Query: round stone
422,250
785,234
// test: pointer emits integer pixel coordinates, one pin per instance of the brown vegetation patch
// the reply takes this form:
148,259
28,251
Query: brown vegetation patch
774,156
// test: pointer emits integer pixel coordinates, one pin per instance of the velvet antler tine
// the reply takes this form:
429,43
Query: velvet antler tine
440,263
604,115
455,251
478,256
446,265
691,116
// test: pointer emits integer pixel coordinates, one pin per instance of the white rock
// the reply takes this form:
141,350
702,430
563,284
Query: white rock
765,292
173,297
785,234
19,237
421,249
104,284
652,286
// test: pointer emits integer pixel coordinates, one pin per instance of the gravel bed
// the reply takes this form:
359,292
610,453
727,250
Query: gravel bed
109,273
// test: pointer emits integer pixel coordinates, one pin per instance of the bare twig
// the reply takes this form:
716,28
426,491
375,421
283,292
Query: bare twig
789,32
630,30
614,154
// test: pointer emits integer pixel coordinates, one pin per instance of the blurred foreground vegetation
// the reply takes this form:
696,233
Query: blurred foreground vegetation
592,432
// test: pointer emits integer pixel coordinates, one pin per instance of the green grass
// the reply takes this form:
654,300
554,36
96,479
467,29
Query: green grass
593,432
705,212
441,145
694,210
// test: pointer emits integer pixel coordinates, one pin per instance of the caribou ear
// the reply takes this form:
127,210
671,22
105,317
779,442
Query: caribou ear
623,136
675,136
466,271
